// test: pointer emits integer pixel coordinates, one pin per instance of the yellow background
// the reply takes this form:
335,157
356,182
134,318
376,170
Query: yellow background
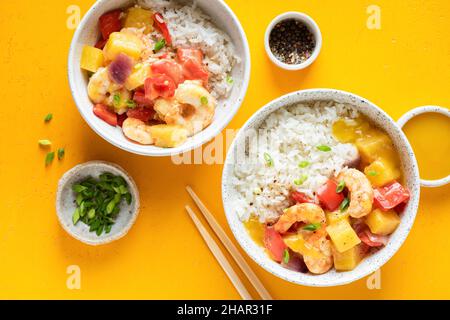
403,65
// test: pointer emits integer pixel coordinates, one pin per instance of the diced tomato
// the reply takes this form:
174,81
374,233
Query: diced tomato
159,86
162,26
328,196
141,101
192,70
101,44
390,196
185,54
143,114
300,197
109,23
372,240
121,119
169,68
105,114
274,243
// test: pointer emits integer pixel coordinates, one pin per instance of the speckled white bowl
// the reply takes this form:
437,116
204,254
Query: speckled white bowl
65,203
87,34
373,262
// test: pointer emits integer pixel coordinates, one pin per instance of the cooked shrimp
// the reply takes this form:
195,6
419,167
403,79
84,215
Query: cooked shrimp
102,90
304,212
138,131
361,192
192,107
321,263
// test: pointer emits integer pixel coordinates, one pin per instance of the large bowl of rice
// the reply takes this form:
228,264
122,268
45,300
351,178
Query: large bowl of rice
294,123
206,24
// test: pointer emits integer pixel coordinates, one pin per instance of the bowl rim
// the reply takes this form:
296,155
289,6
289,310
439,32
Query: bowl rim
162,152
345,277
310,23
133,189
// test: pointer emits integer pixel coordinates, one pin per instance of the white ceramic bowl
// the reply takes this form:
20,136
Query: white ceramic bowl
87,34
410,170
312,26
65,203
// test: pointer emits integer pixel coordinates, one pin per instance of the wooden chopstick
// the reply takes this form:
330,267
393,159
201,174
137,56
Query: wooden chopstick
226,266
230,246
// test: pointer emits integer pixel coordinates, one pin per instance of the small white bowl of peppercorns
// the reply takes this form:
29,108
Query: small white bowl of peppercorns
293,41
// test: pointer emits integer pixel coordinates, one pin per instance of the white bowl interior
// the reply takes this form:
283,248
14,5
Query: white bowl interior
65,203
373,262
88,34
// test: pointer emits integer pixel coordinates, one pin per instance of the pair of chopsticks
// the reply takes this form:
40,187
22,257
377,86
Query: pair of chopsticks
224,263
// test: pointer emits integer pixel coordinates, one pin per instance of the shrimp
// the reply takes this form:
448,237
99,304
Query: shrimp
321,263
304,212
318,258
361,192
138,131
102,90
192,107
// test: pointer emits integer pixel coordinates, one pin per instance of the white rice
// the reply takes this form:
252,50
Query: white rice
295,133
190,27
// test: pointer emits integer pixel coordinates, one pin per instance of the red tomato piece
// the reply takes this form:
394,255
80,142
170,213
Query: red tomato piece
185,54
274,243
109,23
169,68
143,114
328,197
372,240
141,101
162,26
159,86
300,197
101,44
192,70
105,114
390,196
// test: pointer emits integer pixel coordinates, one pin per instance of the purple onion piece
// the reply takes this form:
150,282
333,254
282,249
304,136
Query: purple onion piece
120,69
295,263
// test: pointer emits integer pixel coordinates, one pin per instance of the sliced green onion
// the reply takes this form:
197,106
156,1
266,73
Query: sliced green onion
301,180
48,117
340,187
131,104
372,173
324,148
268,159
78,188
230,80
61,153
45,143
91,213
286,256
304,164
116,100
204,100
76,216
49,158
312,227
344,205
159,45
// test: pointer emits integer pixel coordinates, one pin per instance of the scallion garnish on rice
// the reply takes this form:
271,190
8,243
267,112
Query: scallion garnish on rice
268,159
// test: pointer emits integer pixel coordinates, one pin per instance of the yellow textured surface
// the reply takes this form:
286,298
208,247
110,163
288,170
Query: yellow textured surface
403,65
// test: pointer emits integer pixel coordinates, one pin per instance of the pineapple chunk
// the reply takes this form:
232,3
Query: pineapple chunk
347,260
137,78
120,42
343,235
381,172
336,216
297,243
91,59
168,136
376,145
139,18
382,223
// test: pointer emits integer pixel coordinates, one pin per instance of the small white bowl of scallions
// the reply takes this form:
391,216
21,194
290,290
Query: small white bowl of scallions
97,202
